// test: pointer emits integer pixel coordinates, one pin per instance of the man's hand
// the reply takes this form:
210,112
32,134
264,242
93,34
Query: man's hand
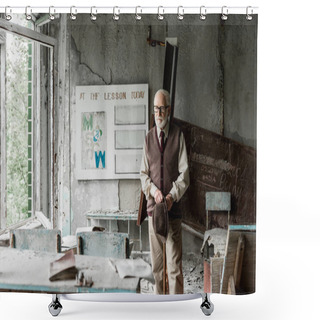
169,201
158,197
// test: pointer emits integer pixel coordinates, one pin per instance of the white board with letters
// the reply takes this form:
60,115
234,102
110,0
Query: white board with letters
111,125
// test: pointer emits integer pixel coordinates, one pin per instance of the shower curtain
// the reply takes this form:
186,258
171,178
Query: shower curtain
80,154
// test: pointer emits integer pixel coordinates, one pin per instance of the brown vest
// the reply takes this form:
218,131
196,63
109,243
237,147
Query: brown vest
170,160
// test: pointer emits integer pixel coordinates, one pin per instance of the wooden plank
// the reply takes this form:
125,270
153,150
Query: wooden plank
206,276
43,219
33,35
216,273
61,179
17,225
3,138
239,260
231,286
248,276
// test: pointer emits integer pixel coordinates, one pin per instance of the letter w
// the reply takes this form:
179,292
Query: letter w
87,124
101,156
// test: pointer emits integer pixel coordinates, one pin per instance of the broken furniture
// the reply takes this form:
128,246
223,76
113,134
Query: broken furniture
34,276
63,268
38,221
238,275
103,244
114,215
36,239
213,250
70,242
215,201
231,270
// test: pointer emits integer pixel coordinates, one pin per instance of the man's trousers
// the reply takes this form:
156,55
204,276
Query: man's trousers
173,257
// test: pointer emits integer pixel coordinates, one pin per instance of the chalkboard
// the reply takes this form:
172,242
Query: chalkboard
218,164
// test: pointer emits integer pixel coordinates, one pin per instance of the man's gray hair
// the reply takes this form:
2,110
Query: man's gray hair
166,95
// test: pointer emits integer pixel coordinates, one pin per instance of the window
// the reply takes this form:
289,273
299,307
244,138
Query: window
26,105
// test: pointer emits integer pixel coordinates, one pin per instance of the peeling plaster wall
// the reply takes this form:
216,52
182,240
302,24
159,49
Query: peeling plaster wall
86,195
215,76
239,59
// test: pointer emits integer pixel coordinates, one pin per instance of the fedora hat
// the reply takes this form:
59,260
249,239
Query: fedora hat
161,220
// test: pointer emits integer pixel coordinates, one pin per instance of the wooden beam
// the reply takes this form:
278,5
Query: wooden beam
16,225
216,273
3,138
239,260
231,286
25,32
43,219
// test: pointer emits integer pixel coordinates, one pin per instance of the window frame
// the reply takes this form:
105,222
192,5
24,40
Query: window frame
49,42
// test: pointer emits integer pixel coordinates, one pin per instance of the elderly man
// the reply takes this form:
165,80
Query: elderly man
164,174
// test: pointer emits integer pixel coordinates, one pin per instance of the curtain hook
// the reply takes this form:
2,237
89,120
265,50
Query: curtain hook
224,13
180,13
52,11
8,13
160,15
73,13
116,16
93,16
138,16
28,13
249,16
203,13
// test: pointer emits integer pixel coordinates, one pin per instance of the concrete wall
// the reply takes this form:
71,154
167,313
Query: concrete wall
216,84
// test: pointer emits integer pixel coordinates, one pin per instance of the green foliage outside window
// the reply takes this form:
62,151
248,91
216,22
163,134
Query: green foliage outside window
17,128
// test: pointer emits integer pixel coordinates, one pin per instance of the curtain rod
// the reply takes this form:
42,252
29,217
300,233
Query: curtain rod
139,10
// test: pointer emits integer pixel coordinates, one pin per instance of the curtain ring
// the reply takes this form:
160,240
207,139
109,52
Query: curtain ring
203,13
160,15
93,16
116,16
73,13
138,17
224,13
8,13
249,16
180,13
28,13
52,11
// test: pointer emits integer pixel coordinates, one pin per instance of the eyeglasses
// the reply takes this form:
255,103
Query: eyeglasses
161,109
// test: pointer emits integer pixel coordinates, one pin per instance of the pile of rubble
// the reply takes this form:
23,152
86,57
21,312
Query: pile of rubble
192,267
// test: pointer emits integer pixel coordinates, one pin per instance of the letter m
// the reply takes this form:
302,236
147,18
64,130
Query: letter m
102,157
87,124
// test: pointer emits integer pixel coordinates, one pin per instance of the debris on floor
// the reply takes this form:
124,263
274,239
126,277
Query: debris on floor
192,267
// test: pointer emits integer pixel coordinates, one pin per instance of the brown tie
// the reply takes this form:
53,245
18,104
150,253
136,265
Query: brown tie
161,141
161,147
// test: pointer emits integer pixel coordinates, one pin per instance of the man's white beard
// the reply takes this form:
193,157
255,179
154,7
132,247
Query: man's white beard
163,123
